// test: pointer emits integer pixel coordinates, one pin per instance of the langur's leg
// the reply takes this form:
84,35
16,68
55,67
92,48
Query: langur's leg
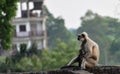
90,62
74,60
80,61
83,63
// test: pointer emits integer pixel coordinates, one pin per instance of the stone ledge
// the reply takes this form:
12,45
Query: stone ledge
69,72
105,70
76,70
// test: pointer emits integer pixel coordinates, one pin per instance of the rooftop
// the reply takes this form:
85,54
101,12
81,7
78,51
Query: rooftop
31,0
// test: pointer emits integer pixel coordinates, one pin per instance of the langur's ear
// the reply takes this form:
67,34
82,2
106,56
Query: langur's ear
83,35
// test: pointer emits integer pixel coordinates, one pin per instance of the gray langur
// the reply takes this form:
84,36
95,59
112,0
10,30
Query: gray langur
89,53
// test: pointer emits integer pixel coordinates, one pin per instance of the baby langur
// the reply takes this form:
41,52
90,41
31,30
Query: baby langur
89,53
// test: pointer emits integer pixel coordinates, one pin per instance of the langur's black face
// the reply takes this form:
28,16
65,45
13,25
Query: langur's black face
81,37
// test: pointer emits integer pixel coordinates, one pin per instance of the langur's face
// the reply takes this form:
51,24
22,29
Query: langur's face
81,37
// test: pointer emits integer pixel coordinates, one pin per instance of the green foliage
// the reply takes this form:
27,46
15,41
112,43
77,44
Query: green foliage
59,56
104,30
7,12
56,29
29,64
23,48
63,43
115,46
32,50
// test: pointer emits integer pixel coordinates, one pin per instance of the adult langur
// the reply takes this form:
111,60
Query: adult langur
89,53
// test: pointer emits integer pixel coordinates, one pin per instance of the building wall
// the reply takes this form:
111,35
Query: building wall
22,34
35,25
31,35
28,44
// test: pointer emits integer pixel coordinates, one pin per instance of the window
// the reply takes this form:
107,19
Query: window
22,28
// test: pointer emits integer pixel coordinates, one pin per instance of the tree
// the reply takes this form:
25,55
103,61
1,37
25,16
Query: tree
103,30
7,12
56,30
61,54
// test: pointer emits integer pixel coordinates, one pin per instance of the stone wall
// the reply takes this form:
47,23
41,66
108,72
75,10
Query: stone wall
76,70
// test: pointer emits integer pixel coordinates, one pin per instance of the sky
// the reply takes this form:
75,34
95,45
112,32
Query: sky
72,10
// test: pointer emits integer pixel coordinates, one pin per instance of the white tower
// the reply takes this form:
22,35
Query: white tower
30,27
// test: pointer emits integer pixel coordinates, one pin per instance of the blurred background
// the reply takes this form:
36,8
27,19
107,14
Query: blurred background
38,35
